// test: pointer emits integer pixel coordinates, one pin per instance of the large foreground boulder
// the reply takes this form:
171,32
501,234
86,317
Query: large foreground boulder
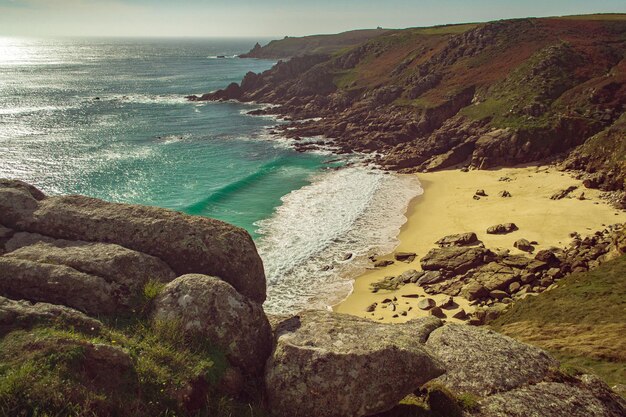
96,278
23,314
211,309
333,365
59,284
555,399
482,362
188,244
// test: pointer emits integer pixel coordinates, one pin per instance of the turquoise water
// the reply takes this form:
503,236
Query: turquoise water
108,119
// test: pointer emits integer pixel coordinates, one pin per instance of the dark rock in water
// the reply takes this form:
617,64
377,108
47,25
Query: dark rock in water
188,244
501,229
461,239
346,257
23,315
371,308
482,362
346,366
257,112
457,260
407,257
563,193
524,245
383,263
209,308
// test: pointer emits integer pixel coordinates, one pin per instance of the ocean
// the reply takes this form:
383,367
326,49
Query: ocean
107,118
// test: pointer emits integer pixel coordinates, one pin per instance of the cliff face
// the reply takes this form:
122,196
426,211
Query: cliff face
315,44
484,95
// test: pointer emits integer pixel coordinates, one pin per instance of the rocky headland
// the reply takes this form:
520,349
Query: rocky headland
474,95
122,310
118,310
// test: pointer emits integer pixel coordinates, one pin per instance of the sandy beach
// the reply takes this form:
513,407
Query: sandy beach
448,207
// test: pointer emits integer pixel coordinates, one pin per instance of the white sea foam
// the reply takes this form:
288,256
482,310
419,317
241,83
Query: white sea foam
144,99
18,110
222,56
353,210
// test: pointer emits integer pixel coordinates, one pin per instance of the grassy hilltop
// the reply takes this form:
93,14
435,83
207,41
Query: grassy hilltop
484,94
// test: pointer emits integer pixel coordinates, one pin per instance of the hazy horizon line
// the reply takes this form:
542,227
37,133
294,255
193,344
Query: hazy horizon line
279,37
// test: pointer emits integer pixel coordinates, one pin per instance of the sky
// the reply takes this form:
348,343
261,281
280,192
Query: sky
264,18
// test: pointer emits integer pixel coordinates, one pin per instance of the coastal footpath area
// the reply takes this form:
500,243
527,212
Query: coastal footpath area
104,311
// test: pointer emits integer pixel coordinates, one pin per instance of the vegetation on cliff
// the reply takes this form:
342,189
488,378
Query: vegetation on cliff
314,44
581,322
483,95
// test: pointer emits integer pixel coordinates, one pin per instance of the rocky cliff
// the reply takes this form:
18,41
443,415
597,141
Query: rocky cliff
119,310
481,95
289,47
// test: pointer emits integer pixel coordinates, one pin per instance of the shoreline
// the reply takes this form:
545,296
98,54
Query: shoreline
354,212
447,207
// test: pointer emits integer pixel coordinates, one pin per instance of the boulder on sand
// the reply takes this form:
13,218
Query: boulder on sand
524,245
407,257
327,364
188,244
461,239
457,260
208,308
502,229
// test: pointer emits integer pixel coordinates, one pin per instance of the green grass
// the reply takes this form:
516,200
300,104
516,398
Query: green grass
152,289
47,371
599,16
582,322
